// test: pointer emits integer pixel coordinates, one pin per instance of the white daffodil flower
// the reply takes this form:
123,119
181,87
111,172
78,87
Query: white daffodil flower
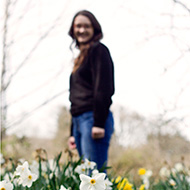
22,168
179,167
51,175
4,185
34,167
93,183
148,173
81,169
146,183
188,179
2,160
52,164
28,178
63,188
89,164
172,182
173,172
94,172
164,172
8,177
108,184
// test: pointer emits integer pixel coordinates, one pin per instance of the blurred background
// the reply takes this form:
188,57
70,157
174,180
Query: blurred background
150,45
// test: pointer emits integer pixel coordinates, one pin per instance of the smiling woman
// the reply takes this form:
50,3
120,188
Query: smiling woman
91,89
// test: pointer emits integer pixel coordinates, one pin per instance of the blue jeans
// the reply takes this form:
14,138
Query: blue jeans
93,149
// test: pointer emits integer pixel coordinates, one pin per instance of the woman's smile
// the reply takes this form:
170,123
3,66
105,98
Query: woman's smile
83,29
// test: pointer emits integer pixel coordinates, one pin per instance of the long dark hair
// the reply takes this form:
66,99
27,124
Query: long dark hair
98,35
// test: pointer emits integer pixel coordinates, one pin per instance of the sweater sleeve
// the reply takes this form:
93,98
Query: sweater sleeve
103,83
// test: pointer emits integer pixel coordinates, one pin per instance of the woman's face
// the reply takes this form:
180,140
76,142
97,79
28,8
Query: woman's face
83,29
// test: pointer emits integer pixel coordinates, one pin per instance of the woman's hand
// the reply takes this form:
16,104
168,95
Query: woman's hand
71,142
98,132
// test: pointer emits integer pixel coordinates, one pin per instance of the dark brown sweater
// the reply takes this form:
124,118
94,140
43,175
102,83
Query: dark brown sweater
92,85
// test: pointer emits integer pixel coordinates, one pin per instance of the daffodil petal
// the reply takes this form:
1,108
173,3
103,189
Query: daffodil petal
84,186
84,177
100,186
100,176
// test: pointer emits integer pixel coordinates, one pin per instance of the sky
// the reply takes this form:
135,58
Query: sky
148,40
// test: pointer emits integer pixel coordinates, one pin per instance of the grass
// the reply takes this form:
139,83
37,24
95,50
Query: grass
167,150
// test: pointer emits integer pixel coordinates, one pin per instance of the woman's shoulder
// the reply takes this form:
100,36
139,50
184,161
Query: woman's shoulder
98,46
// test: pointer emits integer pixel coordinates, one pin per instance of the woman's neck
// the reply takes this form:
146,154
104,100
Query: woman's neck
83,46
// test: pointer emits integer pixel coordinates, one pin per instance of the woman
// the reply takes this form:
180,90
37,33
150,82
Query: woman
91,89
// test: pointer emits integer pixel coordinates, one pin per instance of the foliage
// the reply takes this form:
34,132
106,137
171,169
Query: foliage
44,174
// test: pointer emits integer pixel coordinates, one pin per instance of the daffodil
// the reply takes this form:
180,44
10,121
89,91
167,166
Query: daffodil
145,175
89,164
108,184
4,185
34,167
118,179
146,183
121,185
188,179
179,167
81,169
93,183
142,187
28,178
164,172
22,168
8,177
94,172
142,171
173,172
2,160
148,173
128,186
172,182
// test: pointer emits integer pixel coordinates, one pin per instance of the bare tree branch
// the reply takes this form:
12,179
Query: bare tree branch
34,48
10,8
182,4
3,72
25,116
35,90
29,54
